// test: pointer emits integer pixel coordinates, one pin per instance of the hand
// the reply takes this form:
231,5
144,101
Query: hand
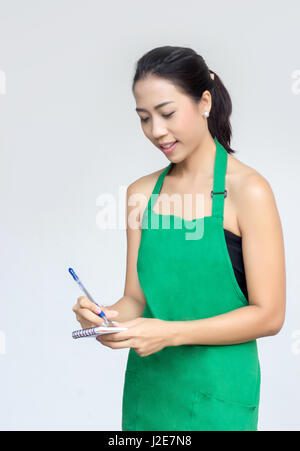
86,313
145,335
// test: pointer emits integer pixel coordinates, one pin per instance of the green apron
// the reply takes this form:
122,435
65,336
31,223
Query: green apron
185,271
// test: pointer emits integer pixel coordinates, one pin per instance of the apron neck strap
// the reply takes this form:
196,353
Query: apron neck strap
160,179
219,192
157,189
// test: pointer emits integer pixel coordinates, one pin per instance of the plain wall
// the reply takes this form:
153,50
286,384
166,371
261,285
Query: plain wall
69,133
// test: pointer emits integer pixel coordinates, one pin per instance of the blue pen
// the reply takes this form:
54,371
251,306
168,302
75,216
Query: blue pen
101,314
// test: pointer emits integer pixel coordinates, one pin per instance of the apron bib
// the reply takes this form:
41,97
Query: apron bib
185,271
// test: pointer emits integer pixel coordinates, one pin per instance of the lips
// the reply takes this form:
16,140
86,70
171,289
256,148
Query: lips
167,144
169,149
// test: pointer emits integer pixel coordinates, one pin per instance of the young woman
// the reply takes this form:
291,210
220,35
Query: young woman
199,290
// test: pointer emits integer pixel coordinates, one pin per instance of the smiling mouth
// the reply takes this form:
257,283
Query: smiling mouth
169,148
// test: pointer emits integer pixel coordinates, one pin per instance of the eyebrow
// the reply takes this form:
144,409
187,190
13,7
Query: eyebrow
156,107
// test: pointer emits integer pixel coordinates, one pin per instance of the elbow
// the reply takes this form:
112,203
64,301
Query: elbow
276,325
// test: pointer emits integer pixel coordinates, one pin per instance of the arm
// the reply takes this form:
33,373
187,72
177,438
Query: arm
263,253
133,302
128,307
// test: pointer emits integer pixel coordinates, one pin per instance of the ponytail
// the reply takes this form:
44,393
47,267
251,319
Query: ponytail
218,120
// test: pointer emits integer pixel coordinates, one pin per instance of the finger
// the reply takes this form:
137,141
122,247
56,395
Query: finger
118,336
110,314
109,337
87,315
130,323
84,302
115,345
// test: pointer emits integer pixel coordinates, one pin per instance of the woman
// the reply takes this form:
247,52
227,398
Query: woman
200,289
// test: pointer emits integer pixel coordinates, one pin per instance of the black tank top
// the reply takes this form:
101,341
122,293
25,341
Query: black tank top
234,246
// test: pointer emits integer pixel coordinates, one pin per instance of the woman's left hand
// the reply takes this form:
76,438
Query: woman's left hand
145,335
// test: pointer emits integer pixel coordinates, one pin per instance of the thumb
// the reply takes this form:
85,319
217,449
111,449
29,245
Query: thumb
110,313
129,323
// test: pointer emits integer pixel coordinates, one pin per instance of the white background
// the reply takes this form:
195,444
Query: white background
69,133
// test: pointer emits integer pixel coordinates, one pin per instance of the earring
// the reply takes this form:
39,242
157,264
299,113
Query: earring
205,114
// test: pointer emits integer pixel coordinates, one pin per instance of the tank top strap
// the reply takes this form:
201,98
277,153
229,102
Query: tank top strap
157,188
219,192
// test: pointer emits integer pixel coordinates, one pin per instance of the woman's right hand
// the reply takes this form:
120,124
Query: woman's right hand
86,313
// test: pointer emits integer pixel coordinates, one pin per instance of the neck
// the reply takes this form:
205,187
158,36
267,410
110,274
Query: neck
200,163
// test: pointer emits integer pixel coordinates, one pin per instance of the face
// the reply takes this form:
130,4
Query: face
178,120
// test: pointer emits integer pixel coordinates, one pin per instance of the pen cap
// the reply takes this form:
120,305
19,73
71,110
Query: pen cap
71,271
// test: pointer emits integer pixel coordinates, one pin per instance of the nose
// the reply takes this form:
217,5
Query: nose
159,130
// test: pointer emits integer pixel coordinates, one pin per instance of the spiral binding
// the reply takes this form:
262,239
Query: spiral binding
83,332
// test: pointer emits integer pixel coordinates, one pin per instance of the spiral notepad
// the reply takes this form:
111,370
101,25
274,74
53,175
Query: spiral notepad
95,331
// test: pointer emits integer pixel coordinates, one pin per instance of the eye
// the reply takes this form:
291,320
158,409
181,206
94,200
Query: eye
164,115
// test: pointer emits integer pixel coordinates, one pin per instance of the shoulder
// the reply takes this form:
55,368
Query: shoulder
251,192
139,191
246,181
145,184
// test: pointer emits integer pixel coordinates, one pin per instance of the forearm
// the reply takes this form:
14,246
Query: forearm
237,326
128,307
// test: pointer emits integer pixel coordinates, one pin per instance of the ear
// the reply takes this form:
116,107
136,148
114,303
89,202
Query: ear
206,101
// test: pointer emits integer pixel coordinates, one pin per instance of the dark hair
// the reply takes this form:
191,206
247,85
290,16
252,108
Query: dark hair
190,73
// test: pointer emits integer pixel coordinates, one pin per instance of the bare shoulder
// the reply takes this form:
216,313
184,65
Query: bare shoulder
145,184
251,192
139,191
246,181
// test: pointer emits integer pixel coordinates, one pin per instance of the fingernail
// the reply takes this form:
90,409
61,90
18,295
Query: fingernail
97,310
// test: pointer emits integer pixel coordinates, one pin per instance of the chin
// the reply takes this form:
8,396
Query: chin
176,158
